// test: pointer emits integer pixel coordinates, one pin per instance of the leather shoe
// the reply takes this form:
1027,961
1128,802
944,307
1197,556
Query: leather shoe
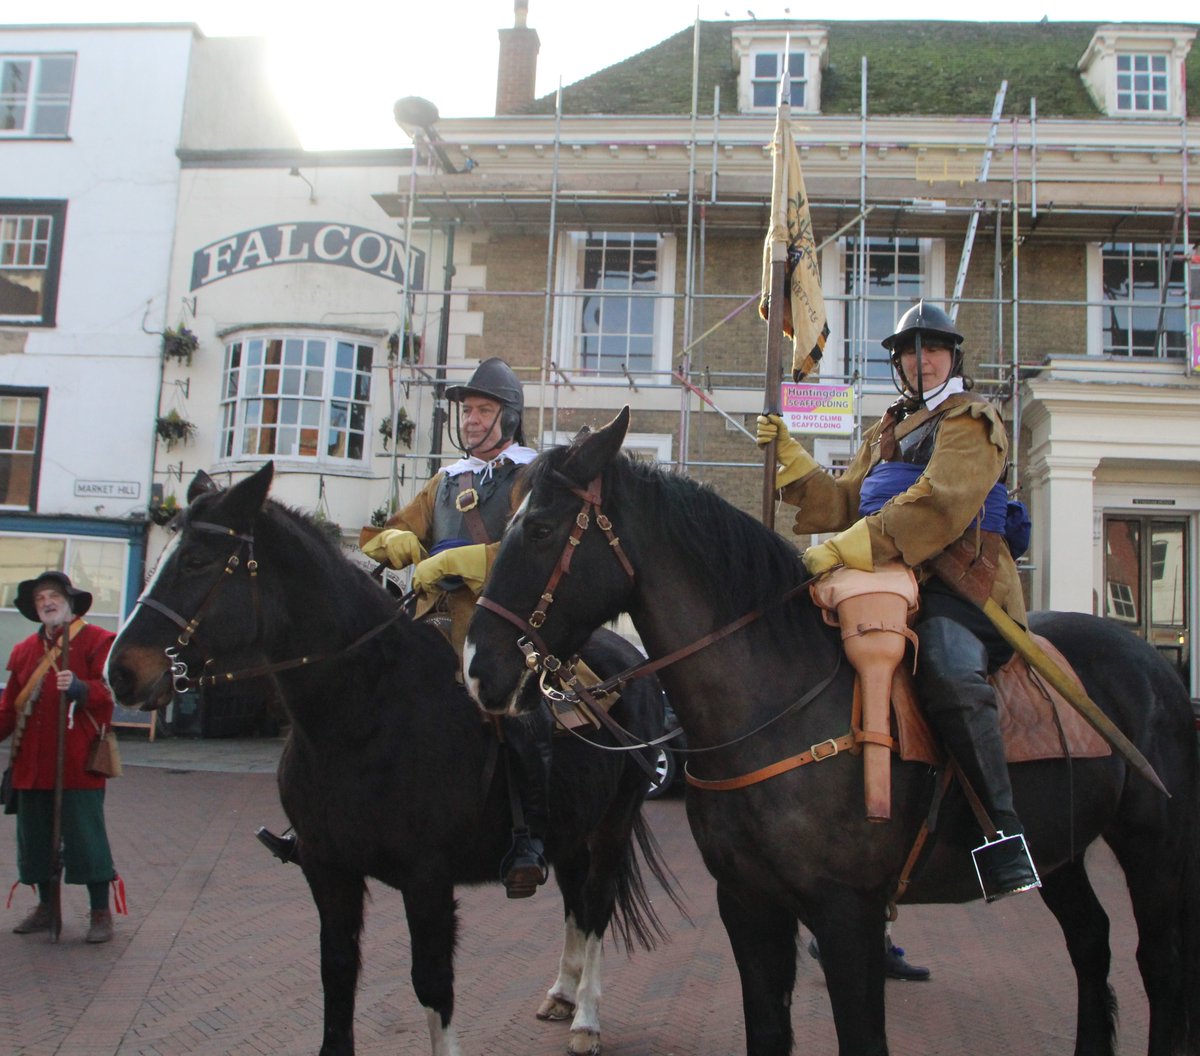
38,919
524,868
1005,867
283,847
101,929
898,968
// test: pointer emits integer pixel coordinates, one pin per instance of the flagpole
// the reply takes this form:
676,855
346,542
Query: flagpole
774,367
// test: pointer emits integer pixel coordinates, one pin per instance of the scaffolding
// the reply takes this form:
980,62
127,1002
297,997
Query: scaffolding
550,206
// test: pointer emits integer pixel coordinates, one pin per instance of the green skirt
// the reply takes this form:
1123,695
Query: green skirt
87,858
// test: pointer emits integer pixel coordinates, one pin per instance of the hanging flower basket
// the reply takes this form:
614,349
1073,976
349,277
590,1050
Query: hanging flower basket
165,511
174,429
179,344
405,427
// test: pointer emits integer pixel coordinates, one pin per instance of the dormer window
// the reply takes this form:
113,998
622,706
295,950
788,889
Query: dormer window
759,50
1137,71
768,68
1141,84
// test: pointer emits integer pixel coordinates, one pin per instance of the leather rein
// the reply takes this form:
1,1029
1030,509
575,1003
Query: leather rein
180,680
539,658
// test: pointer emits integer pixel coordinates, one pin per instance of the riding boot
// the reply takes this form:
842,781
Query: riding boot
961,706
285,848
527,740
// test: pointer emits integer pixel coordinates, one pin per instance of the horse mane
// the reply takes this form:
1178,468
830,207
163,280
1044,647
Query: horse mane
711,534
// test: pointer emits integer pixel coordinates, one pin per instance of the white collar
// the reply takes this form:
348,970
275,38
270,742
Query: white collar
950,388
514,453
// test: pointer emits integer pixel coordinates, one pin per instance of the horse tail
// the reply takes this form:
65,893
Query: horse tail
634,918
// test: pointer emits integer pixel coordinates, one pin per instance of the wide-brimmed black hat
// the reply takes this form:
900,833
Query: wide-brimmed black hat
80,600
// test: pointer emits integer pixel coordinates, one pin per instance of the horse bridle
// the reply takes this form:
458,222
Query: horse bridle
180,680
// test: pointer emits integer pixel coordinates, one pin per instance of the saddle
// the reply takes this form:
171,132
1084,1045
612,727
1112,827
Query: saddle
874,610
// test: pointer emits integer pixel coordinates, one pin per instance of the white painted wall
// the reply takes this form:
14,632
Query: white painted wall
118,172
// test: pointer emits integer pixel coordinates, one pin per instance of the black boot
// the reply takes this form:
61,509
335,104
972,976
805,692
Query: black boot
961,706
285,848
527,740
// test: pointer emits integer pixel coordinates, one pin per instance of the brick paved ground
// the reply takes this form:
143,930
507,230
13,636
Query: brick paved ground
218,956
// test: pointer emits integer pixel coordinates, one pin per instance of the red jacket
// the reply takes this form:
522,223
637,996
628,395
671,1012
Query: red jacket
34,764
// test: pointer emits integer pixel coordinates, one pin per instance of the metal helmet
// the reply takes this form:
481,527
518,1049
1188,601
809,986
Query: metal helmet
921,325
928,320
494,380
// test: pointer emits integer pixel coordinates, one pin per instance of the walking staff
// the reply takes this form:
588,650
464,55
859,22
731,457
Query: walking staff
60,758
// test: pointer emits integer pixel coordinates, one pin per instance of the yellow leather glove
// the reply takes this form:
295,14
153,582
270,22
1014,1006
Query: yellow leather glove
468,562
851,548
795,461
394,547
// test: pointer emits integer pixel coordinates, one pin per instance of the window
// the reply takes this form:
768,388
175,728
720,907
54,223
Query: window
1141,84
1145,310
21,417
768,68
617,315
35,94
97,565
895,279
30,258
303,397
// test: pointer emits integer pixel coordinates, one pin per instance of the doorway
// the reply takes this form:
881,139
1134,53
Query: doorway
1146,579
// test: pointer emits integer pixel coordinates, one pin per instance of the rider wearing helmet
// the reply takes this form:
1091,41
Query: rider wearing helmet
926,481
450,532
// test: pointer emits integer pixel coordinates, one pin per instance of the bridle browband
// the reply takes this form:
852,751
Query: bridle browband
180,680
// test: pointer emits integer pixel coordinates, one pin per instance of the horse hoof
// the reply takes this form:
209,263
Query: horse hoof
584,1043
555,1007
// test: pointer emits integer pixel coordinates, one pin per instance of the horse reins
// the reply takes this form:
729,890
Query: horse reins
181,682
539,658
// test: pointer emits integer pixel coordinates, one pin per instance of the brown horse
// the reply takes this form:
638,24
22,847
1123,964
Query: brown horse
797,846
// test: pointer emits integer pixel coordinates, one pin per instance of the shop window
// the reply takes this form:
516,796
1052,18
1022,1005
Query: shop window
35,95
304,397
22,413
30,258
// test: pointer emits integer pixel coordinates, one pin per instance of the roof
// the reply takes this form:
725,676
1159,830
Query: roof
914,67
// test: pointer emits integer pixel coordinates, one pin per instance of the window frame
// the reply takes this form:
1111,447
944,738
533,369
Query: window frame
1100,306
799,81
40,394
35,97
232,419
570,295
1163,93
56,212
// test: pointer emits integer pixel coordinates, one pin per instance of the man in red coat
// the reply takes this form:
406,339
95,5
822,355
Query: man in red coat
29,711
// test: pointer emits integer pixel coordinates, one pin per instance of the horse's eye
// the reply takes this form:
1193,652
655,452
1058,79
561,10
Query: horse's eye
539,532
194,559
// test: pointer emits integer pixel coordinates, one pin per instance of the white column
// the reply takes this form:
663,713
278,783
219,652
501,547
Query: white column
1062,544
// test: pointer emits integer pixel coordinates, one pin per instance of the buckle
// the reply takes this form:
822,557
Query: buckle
824,750
466,500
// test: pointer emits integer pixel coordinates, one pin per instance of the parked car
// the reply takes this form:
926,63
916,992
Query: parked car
668,767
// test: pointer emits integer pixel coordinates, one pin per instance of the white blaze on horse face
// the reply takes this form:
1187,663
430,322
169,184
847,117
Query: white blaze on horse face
467,657
442,1040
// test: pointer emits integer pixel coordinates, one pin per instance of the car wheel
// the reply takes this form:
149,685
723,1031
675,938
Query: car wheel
664,774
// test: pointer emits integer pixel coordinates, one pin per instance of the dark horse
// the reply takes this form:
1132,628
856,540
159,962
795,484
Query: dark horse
798,846
390,771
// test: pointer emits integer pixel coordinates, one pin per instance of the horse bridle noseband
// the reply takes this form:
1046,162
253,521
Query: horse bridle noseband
180,680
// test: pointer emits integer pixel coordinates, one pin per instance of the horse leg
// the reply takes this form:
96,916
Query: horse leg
1068,894
577,990
338,895
1156,893
432,928
763,937
850,924
559,1002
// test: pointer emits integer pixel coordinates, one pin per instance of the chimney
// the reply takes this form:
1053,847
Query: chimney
518,62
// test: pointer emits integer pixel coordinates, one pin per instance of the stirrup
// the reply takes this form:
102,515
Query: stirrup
1004,866
524,868
282,847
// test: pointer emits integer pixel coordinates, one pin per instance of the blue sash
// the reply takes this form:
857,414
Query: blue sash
889,479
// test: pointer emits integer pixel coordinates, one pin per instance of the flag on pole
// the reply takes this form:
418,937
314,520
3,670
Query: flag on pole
791,232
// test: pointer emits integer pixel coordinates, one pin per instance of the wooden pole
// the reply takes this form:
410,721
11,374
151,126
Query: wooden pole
774,373
60,757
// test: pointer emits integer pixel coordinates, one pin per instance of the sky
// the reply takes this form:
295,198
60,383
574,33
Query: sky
446,50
